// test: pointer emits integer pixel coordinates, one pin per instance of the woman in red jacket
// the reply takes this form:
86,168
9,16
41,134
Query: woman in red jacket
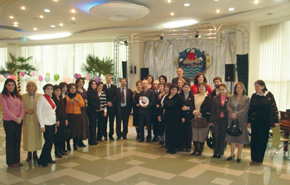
200,78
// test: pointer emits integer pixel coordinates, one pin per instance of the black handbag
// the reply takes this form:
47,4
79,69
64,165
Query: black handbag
209,139
234,129
199,122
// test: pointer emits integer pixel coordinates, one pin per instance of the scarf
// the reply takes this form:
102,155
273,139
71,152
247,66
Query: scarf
71,95
49,101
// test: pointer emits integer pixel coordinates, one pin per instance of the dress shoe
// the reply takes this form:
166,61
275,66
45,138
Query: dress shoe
239,160
51,161
215,156
125,137
231,158
81,144
13,165
42,164
105,139
93,144
111,138
220,156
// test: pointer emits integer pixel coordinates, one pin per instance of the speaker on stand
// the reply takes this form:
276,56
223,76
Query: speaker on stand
230,74
144,73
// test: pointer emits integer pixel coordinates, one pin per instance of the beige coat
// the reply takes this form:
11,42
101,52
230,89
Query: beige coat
32,140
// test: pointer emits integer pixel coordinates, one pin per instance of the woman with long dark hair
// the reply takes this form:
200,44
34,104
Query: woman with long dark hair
13,112
158,105
150,80
200,78
136,105
93,106
263,114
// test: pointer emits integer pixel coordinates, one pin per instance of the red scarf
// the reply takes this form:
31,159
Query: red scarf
49,101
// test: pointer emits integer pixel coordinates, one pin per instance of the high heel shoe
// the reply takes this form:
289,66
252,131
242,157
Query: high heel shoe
230,158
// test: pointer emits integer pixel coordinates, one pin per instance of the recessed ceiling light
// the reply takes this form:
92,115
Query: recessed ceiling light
15,25
217,11
73,18
256,2
15,22
23,7
46,10
53,26
61,24
169,1
176,24
11,17
231,9
35,29
186,4
55,0
41,16
73,11
50,36
215,0
172,13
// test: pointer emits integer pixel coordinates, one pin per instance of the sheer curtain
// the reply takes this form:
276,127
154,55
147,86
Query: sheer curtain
3,59
275,61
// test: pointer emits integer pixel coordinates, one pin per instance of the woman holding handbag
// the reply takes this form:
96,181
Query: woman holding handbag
203,104
219,121
238,107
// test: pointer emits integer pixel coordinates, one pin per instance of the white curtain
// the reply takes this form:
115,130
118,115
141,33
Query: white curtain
275,61
3,59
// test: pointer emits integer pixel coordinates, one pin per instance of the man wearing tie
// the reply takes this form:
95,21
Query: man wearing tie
124,105
145,111
179,75
111,94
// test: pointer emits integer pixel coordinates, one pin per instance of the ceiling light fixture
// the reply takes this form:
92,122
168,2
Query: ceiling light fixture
73,18
11,17
172,13
15,22
23,7
217,11
231,9
215,0
60,24
47,10
35,29
53,26
73,11
50,36
256,2
176,24
169,1
15,25
186,4
41,16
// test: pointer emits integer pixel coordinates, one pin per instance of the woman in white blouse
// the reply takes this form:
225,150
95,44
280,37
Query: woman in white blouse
47,119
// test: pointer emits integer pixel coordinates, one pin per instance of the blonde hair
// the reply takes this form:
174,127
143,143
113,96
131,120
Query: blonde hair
31,82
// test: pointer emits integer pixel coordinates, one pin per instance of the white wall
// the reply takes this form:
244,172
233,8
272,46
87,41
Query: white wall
136,59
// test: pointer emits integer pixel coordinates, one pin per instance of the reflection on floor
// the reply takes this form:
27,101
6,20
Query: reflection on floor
129,162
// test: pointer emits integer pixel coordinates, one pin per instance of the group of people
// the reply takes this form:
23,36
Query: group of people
68,111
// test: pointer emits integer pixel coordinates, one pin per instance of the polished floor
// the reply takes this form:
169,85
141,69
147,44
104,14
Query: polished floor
129,162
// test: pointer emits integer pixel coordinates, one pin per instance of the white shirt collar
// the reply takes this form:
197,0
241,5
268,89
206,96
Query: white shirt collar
265,94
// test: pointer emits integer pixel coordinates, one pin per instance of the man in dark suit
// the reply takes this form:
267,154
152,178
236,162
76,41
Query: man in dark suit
111,94
217,81
124,105
179,75
145,110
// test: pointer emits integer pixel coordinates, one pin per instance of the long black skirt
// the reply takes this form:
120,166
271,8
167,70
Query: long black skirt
75,125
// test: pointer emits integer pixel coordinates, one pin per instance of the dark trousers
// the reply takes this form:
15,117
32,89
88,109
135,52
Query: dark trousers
186,134
101,125
123,115
155,125
111,116
13,139
48,135
145,119
259,140
61,134
93,127
219,135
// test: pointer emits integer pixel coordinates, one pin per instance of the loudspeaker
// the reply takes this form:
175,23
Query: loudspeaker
230,72
144,73
124,69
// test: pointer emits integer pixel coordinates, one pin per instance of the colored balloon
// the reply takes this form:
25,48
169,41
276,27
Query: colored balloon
33,73
12,77
97,79
66,79
88,77
40,78
22,73
6,75
47,78
23,39
76,75
47,74
56,77
2,78
79,75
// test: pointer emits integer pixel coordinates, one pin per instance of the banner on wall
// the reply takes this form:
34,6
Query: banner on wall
192,61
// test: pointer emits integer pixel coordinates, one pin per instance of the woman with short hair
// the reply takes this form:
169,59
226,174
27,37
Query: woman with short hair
200,78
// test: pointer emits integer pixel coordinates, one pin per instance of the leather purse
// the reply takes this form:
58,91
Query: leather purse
199,122
234,129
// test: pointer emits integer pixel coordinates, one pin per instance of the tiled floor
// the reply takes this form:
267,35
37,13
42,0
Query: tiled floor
125,162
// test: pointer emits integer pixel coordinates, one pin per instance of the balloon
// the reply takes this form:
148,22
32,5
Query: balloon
79,75
6,75
88,77
76,75
66,79
33,73
13,77
22,74
2,78
56,77
47,78
97,79
27,78
40,78
9,76
47,74
23,39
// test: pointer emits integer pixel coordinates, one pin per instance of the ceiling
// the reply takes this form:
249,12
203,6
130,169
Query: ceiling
98,25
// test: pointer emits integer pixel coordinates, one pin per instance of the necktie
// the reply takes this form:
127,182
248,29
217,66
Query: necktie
123,96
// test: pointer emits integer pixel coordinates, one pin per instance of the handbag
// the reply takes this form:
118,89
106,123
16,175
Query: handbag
199,122
209,139
234,129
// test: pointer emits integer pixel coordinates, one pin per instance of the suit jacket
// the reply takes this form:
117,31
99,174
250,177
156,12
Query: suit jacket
129,100
151,96
175,80
206,106
12,107
93,102
189,102
218,108
111,95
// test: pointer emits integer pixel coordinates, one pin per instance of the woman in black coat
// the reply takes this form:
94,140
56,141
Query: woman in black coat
263,114
188,105
93,106
136,105
172,106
